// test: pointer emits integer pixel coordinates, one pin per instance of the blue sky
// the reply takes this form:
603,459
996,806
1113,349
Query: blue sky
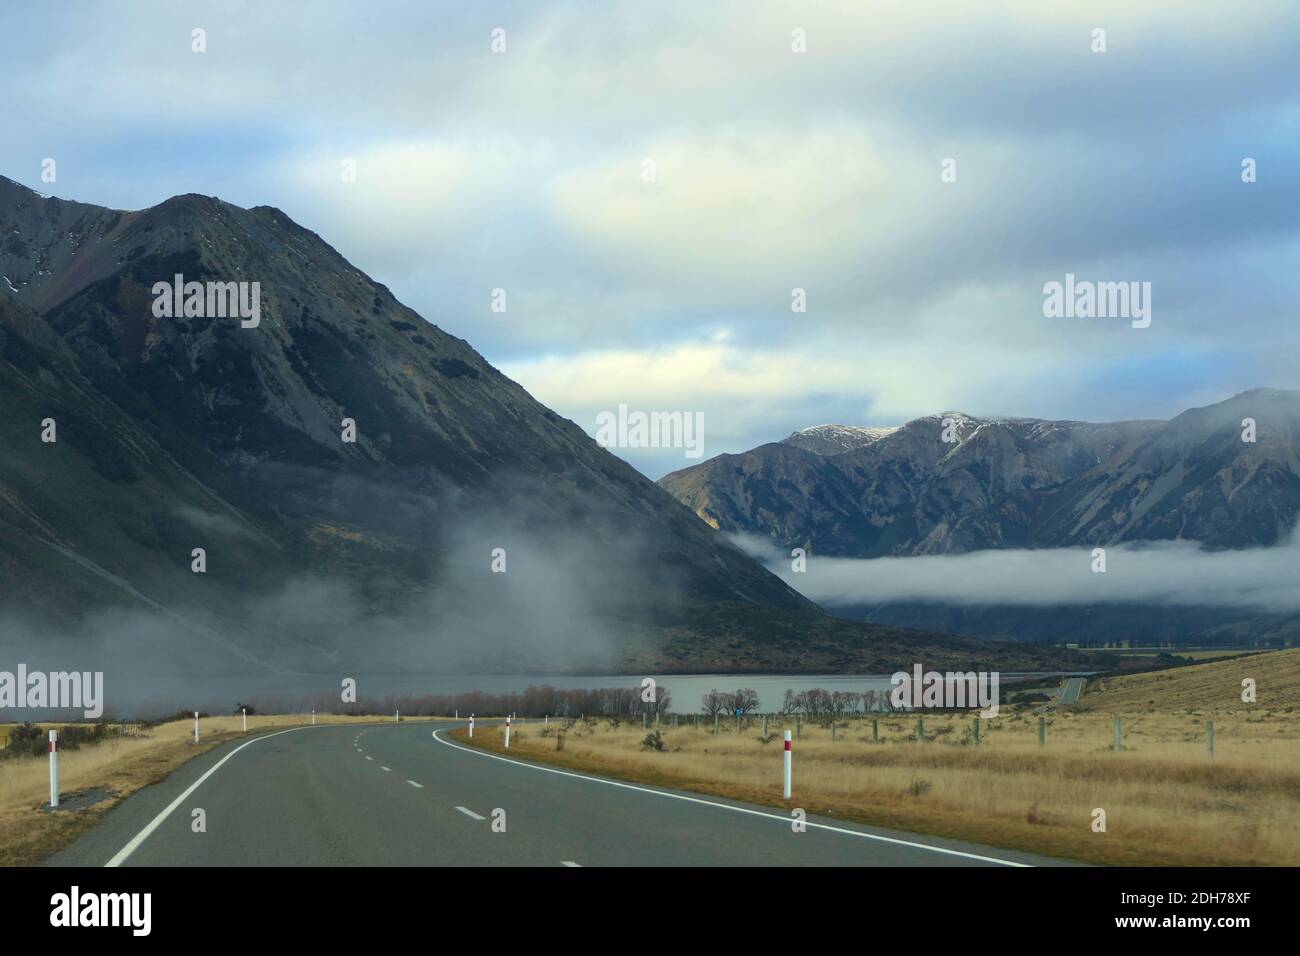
774,169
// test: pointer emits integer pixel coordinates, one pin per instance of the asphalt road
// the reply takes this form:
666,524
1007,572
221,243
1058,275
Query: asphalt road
394,794
1070,693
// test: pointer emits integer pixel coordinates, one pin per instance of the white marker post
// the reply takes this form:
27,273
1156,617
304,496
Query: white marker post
787,764
507,733
397,716
471,725
243,712
313,717
54,769
196,726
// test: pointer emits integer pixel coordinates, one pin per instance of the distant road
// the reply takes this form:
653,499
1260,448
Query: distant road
394,794
1070,693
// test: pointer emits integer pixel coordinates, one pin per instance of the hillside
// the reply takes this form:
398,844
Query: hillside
187,431
1215,686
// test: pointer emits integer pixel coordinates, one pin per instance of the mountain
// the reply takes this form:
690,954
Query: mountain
952,483
183,432
833,439
1015,482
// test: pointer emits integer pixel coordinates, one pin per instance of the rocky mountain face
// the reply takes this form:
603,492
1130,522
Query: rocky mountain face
339,483
950,483
834,439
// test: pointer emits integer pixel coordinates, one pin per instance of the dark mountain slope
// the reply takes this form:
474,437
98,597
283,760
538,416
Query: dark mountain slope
1018,483
183,432
1025,483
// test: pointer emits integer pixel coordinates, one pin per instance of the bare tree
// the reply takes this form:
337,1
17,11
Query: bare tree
744,700
713,702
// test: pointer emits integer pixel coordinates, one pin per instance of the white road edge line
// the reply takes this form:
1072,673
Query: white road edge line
734,809
470,813
417,786
121,856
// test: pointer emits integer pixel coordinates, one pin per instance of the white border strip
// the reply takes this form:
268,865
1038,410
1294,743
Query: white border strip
733,808
122,854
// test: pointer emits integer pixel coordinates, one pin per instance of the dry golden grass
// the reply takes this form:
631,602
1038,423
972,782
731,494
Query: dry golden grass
119,765
1167,801
1214,686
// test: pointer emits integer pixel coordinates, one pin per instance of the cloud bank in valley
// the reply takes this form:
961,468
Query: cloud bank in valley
1176,573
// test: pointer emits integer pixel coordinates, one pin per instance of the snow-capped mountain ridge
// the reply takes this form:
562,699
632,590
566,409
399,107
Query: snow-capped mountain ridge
951,483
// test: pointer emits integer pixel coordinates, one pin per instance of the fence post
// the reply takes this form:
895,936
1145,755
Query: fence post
977,731
715,724
54,769
1118,745
1042,731
1209,737
875,728
643,719
920,729
787,764
765,725
832,730
798,725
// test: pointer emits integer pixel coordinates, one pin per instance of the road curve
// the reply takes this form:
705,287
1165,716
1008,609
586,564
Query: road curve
397,795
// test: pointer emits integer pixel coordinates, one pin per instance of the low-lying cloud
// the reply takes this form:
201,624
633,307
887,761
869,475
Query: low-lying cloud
1179,573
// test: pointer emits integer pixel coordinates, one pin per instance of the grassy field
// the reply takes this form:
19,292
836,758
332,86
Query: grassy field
1214,686
1167,802
118,765
1195,654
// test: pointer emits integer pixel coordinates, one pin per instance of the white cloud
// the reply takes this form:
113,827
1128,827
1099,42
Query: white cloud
774,170
1168,572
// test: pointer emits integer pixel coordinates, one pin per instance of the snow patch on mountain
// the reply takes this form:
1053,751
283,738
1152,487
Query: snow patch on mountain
834,439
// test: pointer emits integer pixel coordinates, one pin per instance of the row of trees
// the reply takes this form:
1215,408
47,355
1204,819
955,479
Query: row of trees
815,702
622,702
744,700
539,701
819,702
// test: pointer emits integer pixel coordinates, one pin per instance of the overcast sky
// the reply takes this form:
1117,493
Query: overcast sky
773,170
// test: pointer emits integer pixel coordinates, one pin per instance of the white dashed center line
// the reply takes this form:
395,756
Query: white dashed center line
570,863
470,813
417,786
